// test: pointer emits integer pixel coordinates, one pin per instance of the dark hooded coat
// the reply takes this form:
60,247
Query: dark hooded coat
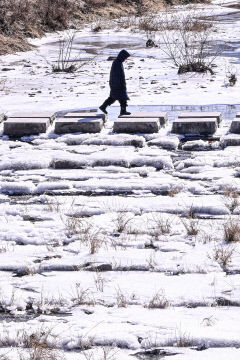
117,78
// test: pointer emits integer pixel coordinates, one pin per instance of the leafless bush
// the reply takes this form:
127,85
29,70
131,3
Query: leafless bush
151,261
67,61
161,226
92,237
40,345
106,353
121,299
82,296
186,41
74,225
158,301
100,281
192,226
149,24
122,219
84,231
184,340
231,230
231,198
52,204
223,255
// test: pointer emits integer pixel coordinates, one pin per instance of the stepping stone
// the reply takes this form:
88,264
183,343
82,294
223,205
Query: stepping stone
201,115
162,116
25,126
74,124
33,115
86,115
235,126
195,126
92,110
136,125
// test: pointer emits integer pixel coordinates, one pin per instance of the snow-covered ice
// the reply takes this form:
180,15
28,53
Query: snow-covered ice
119,244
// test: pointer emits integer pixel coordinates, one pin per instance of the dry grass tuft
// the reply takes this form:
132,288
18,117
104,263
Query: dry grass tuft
230,198
192,226
121,299
223,255
231,230
158,301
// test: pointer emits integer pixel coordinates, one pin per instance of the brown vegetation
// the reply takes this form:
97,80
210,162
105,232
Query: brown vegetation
20,19
31,18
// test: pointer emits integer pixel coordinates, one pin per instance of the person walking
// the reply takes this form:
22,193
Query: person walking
118,89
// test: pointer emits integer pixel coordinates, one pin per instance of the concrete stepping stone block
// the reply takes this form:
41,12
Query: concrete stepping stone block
33,115
195,126
25,126
136,125
162,116
235,126
201,115
74,124
86,115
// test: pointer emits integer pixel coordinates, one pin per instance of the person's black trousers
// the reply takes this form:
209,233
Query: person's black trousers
110,100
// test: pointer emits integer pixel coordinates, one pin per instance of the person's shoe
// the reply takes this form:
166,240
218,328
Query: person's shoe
103,109
125,113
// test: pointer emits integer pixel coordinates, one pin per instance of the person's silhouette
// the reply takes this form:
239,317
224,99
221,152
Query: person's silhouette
118,89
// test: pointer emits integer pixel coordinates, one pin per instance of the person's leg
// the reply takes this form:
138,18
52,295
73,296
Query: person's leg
109,101
123,104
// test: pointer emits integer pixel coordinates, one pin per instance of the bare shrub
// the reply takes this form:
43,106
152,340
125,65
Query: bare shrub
74,225
67,61
223,255
184,340
158,301
230,198
122,220
161,226
121,299
82,296
106,353
151,261
231,230
92,237
52,204
186,41
100,281
192,226
149,24
40,345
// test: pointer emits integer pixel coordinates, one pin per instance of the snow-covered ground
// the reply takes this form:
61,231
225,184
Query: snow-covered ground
116,246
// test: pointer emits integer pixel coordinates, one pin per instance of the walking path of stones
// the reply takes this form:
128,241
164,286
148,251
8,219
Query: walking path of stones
90,121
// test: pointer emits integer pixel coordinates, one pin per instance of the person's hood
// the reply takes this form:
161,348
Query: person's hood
123,55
